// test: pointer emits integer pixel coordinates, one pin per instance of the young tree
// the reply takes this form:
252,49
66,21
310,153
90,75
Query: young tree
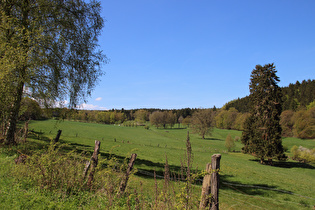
50,47
141,116
180,120
202,121
262,132
229,143
156,118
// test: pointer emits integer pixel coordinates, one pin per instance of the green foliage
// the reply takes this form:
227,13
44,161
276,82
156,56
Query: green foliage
229,143
162,119
49,50
262,134
287,123
235,169
49,170
241,104
230,119
303,154
141,116
30,109
295,96
304,124
202,121
311,105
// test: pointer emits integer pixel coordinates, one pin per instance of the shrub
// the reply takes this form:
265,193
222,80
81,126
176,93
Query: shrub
52,171
229,143
303,154
304,126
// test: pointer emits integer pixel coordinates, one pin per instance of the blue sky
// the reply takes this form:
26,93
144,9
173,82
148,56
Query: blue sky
174,54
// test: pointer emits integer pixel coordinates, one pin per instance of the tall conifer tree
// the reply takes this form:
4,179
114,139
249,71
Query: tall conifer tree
262,134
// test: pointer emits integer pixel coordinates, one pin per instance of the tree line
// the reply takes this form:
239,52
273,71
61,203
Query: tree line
294,123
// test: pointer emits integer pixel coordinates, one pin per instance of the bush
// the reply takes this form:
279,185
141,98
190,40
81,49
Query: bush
304,126
52,171
303,154
229,143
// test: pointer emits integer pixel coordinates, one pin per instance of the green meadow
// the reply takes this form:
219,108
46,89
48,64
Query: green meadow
244,182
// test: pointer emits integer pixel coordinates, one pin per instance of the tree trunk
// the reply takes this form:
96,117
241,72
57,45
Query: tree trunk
14,113
21,74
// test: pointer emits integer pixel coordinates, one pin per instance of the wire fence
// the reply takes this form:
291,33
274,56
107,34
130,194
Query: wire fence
233,186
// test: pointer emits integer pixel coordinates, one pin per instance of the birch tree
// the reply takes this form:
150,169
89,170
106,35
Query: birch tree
50,47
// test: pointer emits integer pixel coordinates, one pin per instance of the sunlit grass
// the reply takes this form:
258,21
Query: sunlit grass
285,185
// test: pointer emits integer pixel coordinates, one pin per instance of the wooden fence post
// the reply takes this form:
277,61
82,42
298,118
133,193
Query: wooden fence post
94,160
124,181
215,167
57,136
25,131
205,193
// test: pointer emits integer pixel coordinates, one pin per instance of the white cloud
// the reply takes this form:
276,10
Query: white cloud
98,99
91,107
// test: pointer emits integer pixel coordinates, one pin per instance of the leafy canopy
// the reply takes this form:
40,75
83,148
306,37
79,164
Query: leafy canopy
51,47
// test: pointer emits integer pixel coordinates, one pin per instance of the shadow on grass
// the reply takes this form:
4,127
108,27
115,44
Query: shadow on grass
293,165
212,139
177,172
287,164
255,189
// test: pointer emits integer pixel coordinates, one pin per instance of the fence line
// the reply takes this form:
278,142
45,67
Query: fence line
228,183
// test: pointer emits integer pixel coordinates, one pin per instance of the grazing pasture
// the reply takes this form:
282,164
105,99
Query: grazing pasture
244,184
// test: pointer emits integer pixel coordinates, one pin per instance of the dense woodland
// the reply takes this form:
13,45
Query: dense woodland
297,118
295,97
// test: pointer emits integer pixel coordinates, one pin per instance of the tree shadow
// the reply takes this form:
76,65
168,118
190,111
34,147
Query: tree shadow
254,189
212,139
286,164
175,128
37,135
293,165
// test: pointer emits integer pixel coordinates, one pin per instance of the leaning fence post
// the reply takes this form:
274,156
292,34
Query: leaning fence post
94,160
205,193
215,167
124,181
57,136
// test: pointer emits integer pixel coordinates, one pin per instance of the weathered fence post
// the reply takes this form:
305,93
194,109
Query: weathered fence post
215,167
124,181
25,131
57,136
94,160
205,193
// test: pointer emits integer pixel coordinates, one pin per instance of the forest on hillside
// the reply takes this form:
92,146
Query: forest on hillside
295,97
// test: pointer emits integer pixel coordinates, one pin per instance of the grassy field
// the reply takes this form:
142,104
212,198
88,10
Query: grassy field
245,184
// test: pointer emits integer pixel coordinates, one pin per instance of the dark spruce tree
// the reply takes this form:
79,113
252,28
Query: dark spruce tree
262,134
